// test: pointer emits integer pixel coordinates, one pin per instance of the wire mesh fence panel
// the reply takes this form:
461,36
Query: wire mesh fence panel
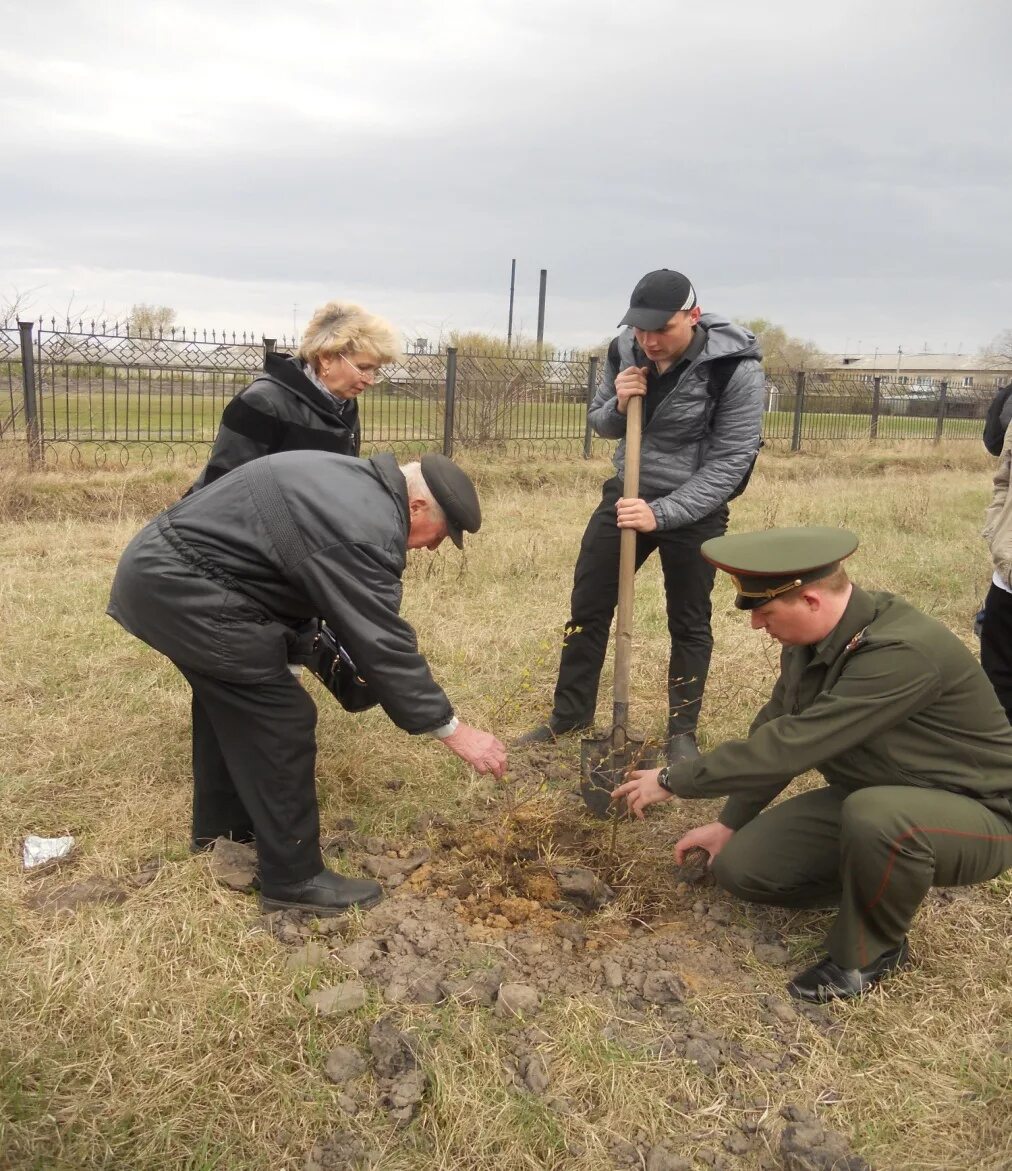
11,384
108,396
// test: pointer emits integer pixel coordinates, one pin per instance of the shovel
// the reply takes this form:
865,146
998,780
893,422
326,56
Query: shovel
604,761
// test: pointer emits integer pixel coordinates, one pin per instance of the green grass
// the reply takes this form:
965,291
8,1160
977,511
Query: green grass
167,1033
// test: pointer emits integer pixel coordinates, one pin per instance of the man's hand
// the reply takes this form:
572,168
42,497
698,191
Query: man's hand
641,790
635,514
712,838
631,382
481,750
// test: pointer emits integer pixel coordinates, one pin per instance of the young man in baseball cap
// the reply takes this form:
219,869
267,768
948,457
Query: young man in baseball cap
701,382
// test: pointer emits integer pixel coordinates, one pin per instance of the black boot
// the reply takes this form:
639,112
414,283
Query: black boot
828,981
551,732
326,892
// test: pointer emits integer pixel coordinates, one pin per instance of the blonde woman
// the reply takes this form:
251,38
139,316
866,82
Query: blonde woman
306,400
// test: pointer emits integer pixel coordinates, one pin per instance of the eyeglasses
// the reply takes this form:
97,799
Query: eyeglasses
374,374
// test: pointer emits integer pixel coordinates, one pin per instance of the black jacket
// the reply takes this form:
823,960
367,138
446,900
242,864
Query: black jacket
281,411
998,415
221,582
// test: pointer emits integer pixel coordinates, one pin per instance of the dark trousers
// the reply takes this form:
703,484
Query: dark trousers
688,580
254,758
996,645
875,853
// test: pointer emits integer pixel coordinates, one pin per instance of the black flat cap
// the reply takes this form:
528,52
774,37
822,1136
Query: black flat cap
455,495
773,562
657,298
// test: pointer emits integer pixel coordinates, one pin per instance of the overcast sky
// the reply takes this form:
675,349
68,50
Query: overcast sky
842,168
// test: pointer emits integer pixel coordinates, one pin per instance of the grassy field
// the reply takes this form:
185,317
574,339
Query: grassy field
169,1029
142,409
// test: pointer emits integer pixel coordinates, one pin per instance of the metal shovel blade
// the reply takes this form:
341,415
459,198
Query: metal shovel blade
604,762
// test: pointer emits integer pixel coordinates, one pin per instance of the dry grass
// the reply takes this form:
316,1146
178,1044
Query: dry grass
167,1033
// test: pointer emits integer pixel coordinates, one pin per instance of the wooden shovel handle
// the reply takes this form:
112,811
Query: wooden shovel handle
627,566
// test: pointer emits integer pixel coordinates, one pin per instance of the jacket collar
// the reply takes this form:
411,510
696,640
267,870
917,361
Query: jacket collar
389,474
858,614
287,371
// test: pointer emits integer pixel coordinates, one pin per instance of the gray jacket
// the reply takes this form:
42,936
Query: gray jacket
693,456
222,581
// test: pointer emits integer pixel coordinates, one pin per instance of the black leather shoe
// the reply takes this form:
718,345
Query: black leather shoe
327,892
827,981
683,747
552,731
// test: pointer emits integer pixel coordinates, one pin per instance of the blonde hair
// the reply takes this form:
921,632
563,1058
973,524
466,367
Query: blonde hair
417,486
340,327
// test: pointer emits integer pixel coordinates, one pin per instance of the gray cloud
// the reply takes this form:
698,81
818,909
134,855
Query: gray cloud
840,168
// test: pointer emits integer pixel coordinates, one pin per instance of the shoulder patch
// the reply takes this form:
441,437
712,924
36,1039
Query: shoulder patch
855,642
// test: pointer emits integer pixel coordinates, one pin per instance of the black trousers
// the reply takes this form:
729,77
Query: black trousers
254,771
688,580
996,645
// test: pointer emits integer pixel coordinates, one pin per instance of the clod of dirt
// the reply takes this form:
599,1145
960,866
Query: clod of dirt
534,1071
339,999
582,886
781,1010
612,974
480,987
387,868
146,872
339,1152
77,894
406,1090
704,1054
310,955
661,1159
234,864
737,1143
411,984
774,954
663,988
343,1064
359,955
807,1145
517,1000
391,1049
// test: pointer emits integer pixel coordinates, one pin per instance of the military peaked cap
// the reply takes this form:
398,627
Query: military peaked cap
455,495
765,565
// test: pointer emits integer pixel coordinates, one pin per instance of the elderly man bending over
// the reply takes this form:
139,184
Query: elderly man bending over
222,584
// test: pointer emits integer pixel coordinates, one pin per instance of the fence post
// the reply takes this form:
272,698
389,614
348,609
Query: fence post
451,394
943,391
29,389
270,345
799,410
876,405
588,435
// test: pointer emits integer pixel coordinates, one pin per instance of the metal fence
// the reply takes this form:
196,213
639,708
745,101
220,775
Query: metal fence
88,395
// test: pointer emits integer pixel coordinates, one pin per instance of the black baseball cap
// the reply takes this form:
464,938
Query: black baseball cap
658,297
455,494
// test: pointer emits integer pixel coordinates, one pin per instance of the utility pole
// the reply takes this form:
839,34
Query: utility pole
542,287
513,283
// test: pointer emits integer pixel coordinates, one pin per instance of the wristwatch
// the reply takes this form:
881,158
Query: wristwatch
662,780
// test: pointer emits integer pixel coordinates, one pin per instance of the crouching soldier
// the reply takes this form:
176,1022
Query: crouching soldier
901,721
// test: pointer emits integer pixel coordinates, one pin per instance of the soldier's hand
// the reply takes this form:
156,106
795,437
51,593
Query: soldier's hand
635,514
631,382
481,750
640,791
712,838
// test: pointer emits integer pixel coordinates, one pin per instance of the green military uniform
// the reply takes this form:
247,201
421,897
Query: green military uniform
900,719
